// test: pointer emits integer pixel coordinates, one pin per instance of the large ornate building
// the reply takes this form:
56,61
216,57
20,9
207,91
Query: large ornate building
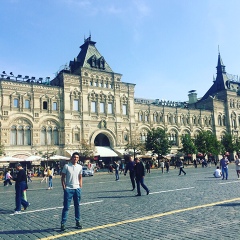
88,101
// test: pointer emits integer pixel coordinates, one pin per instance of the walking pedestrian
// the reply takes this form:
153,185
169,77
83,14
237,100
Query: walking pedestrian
139,175
237,164
20,186
224,166
195,163
148,166
167,165
130,167
50,178
29,176
44,175
72,184
116,166
8,178
180,166
162,165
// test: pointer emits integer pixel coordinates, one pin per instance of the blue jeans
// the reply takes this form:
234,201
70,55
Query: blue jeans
224,171
117,174
50,181
138,182
20,187
67,198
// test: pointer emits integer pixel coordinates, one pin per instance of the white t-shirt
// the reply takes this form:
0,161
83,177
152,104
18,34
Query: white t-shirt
218,173
72,175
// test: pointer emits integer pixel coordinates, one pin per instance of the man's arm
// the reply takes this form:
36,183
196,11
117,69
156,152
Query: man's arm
63,181
80,180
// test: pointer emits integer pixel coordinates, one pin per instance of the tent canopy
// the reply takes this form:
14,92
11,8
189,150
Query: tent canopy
104,152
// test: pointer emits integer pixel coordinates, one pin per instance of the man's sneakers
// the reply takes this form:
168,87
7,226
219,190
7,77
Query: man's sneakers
17,212
148,192
78,225
26,206
63,227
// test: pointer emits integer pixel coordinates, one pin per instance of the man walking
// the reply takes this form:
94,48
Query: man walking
139,174
20,187
224,166
130,167
72,184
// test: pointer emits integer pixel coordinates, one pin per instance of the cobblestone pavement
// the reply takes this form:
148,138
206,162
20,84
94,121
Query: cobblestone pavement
194,206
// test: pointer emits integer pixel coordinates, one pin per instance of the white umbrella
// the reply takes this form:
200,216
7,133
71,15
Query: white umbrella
33,158
57,157
11,159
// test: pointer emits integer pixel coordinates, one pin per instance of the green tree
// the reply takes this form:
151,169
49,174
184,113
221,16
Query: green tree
136,145
229,143
158,142
188,146
207,143
86,150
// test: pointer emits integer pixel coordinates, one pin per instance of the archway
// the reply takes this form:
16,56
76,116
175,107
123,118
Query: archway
101,140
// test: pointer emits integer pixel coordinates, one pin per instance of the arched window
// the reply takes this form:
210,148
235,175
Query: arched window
173,138
20,135
219,120
49,136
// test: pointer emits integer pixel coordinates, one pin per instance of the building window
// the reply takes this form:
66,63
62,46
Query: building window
54,106
102,107
124,109
49,136
15,103
155,118
146,118
20,135
140,117
76,137
75,105
45,105
93,107
27,104
110,108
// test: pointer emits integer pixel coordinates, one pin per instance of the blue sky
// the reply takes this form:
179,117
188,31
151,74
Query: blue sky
165,47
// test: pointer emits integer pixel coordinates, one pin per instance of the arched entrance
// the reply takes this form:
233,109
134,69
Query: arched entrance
101,140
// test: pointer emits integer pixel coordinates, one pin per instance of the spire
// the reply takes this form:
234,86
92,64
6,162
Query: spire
220,66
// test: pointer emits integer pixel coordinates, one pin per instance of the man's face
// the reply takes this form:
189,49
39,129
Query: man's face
137,161
75,159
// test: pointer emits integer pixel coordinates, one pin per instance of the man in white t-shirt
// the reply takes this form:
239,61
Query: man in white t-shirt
72,184
217,173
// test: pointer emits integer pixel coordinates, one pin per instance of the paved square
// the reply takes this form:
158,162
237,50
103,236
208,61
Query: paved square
195,206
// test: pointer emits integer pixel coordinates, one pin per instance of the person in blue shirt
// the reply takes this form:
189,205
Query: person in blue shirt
130,167
224,166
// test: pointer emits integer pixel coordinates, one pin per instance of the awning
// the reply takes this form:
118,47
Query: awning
104,152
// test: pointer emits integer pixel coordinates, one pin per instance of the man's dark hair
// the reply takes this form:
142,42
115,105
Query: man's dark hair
75,153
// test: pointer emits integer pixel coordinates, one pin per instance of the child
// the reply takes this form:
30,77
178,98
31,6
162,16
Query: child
217,173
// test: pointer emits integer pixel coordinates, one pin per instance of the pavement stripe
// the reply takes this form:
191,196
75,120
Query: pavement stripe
139,219
173,190
46,209
229,182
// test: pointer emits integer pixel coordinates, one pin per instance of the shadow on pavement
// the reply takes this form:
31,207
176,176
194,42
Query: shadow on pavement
4,211
228,205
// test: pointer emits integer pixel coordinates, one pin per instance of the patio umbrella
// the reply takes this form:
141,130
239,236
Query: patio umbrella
33,158
11,159
57,157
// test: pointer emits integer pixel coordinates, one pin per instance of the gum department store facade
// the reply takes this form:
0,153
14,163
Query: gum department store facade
88,101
